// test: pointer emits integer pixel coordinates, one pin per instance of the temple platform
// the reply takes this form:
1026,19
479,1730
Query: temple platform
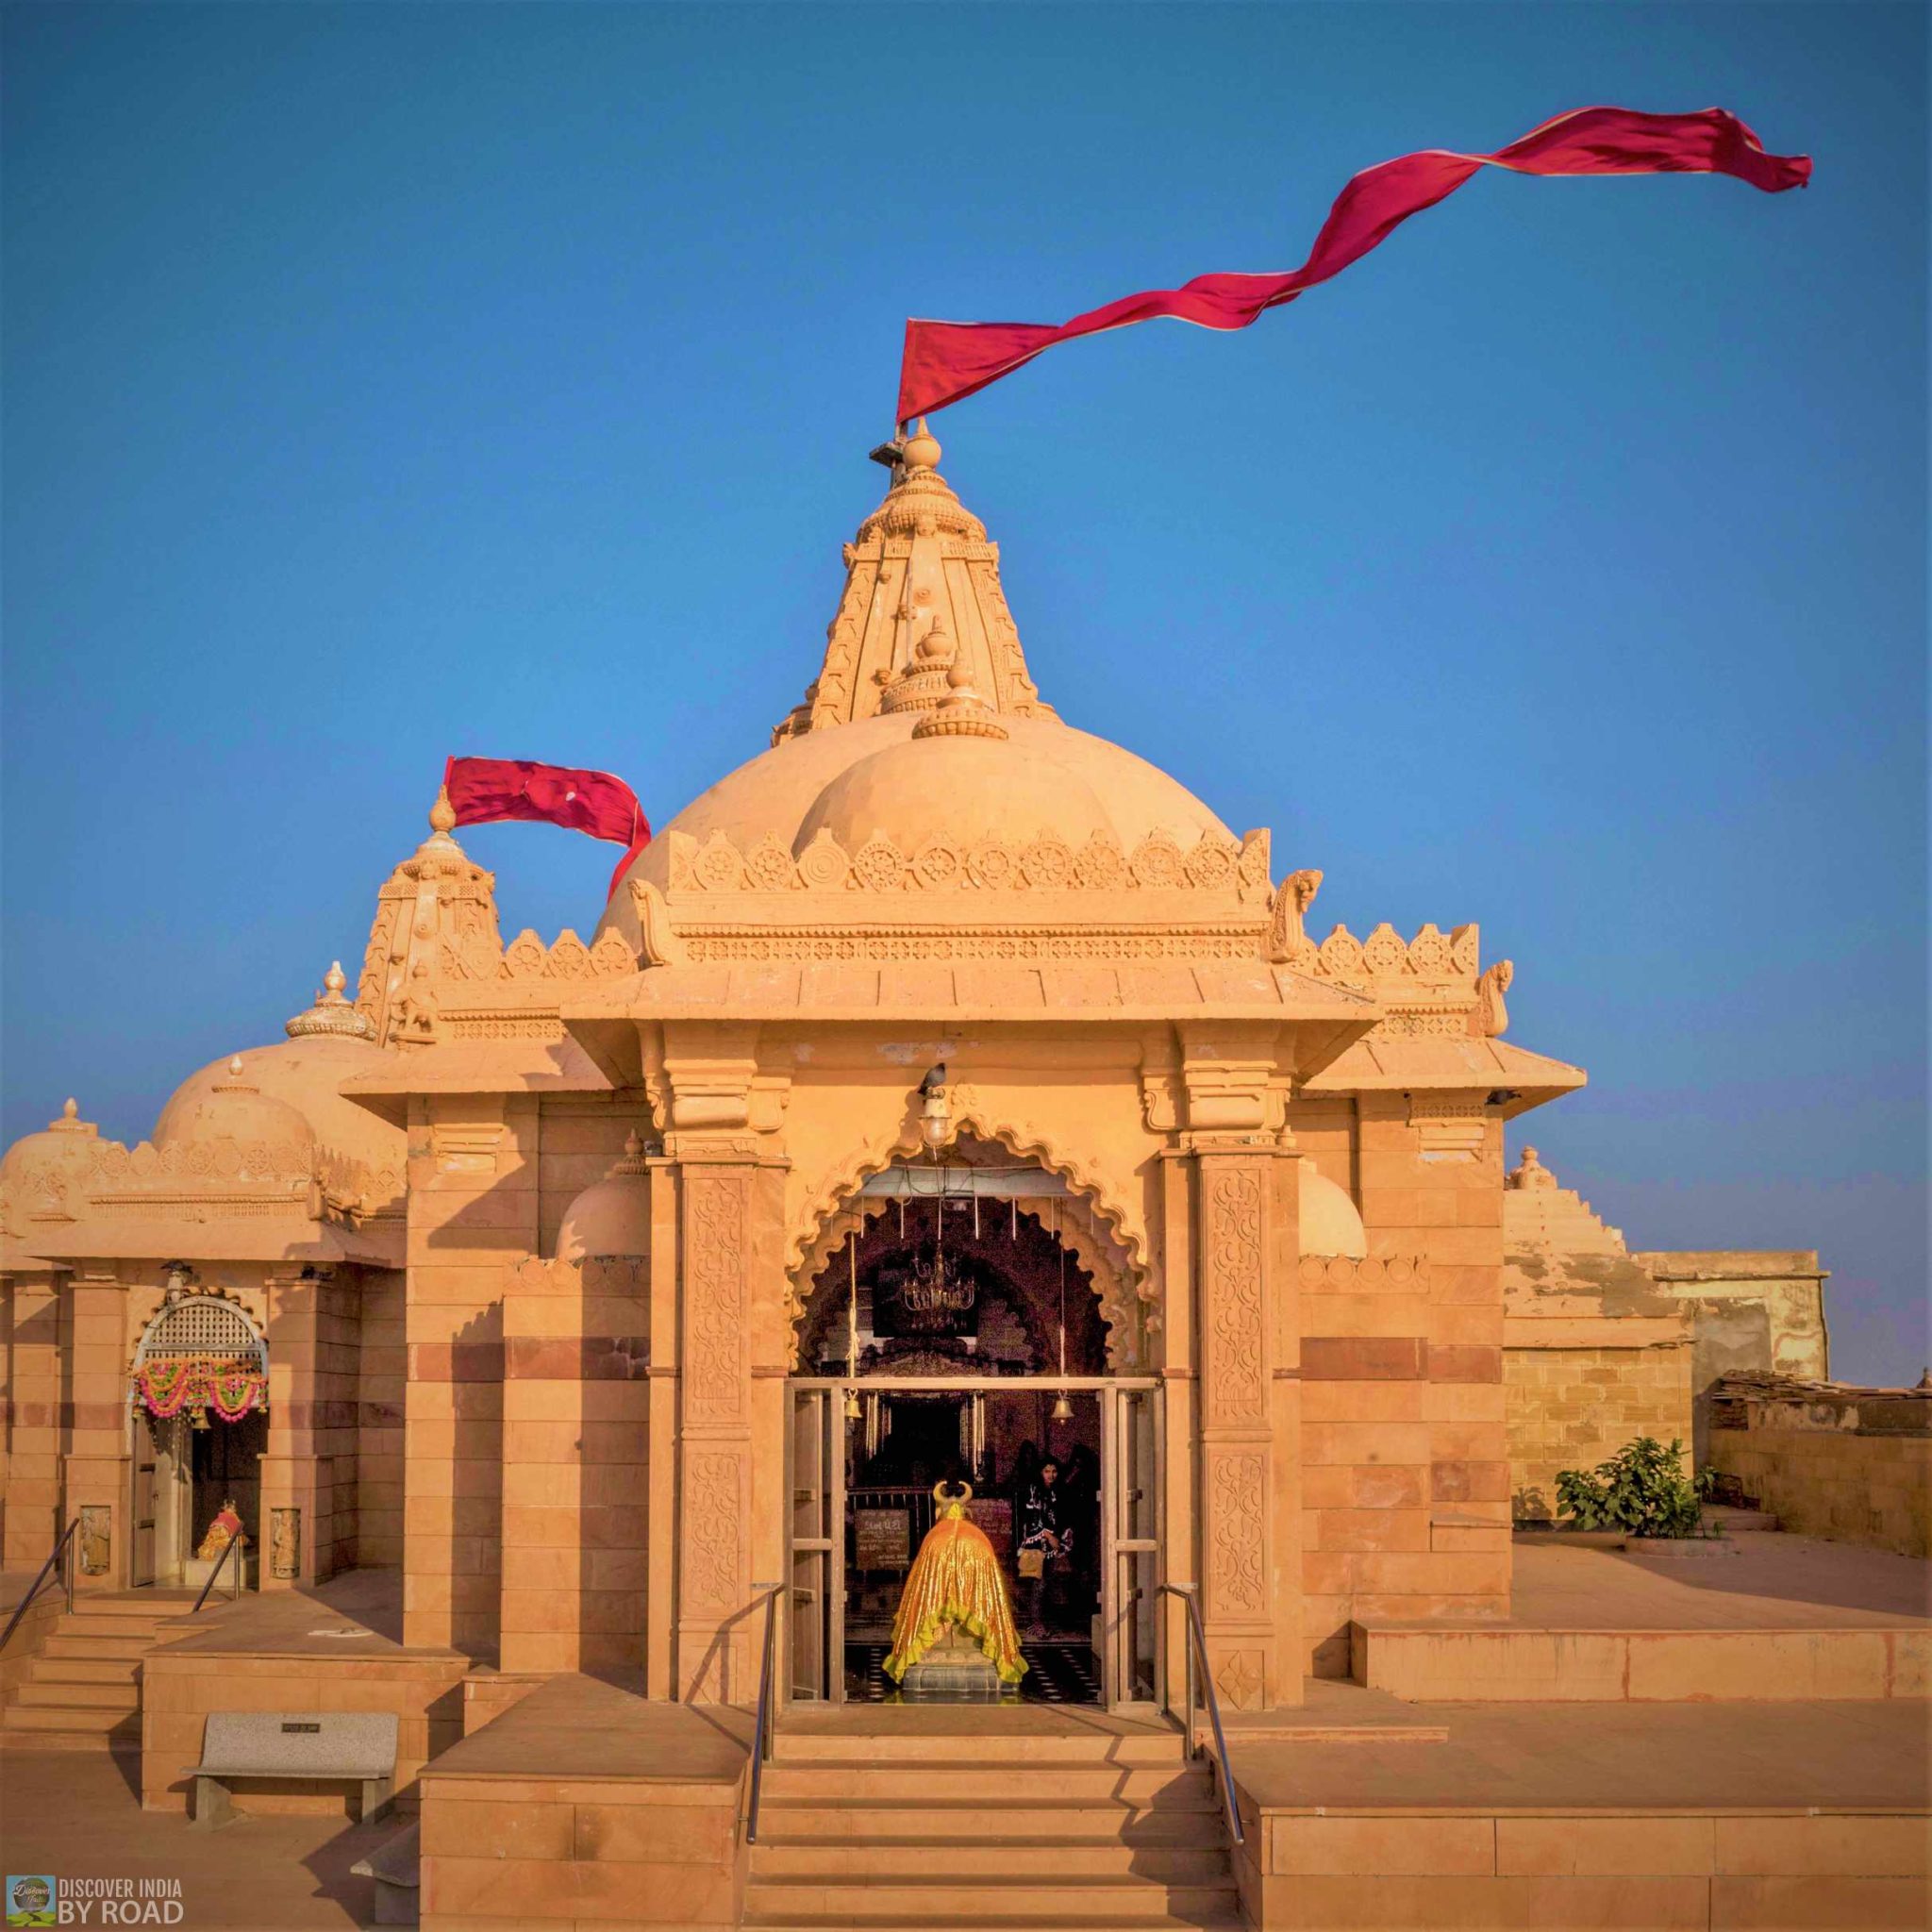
1756,1616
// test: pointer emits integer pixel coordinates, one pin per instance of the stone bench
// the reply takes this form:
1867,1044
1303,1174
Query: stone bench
319,1746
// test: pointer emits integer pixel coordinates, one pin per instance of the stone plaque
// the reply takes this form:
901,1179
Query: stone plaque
884,1539
994,1515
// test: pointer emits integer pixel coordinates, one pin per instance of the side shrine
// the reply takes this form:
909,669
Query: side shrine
950,1133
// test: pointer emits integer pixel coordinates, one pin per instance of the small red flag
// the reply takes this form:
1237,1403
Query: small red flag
485,791
945,361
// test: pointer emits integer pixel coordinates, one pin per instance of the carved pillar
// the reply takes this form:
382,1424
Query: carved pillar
1246,1314
296,1502
1236,1440
716,1654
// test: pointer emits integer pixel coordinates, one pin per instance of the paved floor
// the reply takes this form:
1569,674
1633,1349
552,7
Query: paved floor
1543,1758
1754,1581
73,1814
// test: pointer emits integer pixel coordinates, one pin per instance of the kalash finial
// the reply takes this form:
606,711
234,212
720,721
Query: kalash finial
443,814
921,450
333,1013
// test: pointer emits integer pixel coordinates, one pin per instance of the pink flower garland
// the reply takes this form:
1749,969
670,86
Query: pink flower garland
169,1384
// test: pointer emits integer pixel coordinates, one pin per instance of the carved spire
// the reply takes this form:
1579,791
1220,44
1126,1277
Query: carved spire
435,919
921,597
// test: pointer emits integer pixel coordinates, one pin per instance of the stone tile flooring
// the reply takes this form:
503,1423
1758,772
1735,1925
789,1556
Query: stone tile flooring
75,1814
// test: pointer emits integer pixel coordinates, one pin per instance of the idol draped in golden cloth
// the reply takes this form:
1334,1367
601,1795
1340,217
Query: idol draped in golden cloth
956,1583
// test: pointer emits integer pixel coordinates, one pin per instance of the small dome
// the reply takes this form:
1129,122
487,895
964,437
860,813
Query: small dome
234,1106
960,788
307,1072
611,1219
1330,1221
44,1172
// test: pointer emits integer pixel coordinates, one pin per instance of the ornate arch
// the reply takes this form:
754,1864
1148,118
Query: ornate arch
1100,1231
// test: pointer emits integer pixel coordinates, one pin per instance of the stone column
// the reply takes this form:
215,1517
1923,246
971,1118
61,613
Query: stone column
297,1497
472,1215
716,1655
33,1476
96,1465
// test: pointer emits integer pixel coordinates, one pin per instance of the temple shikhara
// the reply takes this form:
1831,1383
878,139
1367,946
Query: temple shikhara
953,1153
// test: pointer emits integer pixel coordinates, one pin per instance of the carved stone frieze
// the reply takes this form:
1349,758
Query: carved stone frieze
1237,1481
1232,1302
718,1206
1211,864
1432,957
712,1513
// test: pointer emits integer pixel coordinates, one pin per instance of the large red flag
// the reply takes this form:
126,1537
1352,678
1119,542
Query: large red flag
485,791
947,360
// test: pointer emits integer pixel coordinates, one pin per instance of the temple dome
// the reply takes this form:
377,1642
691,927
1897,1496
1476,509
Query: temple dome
304,1075
965,789
1330,1221
611,1219
231,1104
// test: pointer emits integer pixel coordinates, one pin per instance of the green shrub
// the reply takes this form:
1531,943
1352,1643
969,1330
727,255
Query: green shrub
1641,1490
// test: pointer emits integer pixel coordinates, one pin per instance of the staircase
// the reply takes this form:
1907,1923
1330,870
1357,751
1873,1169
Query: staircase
83,1691
1092,1830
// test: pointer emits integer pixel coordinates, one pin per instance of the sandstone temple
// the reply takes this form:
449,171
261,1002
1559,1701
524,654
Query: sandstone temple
946,1096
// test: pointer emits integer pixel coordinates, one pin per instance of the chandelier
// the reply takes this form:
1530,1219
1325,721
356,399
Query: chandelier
933,1291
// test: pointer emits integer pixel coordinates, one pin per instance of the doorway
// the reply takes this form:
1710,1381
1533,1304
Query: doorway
1069,1502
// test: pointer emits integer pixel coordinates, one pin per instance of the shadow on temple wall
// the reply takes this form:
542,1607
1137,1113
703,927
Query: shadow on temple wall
719,1669
475,1534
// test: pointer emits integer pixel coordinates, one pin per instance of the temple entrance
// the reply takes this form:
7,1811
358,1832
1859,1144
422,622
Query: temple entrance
954,1363
200,1430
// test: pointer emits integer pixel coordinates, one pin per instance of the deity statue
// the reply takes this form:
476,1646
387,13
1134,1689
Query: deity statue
223,1530
954,1590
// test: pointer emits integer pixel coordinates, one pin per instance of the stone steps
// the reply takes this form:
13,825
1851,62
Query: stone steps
1017,1822
1228,1920
1157,1750
87,1670
987,1773
38,1692
1042,1831
1040,1860
82,1693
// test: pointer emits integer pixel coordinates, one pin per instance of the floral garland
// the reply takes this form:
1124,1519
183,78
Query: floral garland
166,1384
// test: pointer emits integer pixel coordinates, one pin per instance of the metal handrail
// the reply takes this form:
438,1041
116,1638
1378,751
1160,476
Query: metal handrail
1198,1648
230,1548
765,1722
20,1609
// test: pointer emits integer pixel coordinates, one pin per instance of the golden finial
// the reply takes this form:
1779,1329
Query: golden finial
443,814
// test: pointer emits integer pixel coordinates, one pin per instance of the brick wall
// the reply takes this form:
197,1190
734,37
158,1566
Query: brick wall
1575,1408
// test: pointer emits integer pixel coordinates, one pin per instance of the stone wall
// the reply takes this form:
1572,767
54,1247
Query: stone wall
1405,1457
1575,1408
1852,1465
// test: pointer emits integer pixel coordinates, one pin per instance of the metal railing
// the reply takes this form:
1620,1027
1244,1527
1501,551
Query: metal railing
1197,1669
62,1549
765,1719
232,1548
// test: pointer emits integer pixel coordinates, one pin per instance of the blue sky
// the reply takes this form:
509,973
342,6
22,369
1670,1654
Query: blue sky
383,382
